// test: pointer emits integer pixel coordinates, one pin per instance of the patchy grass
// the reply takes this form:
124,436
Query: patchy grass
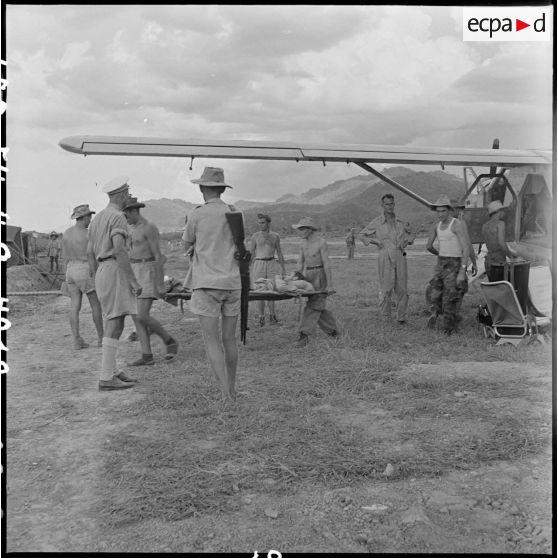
336,412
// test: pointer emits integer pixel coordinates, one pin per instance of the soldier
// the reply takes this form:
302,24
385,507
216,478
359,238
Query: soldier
313,262
214,278
350,241
264,245
493,232
147,264
115,282
451,267
79,276
391,235
53,251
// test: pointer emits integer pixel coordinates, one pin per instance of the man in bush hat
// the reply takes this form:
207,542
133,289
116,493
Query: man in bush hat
313,262
494,231
115,282
214,278
79,275
147,264
53,251
391,235
450,271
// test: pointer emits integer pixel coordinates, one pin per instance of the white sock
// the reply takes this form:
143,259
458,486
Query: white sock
110,346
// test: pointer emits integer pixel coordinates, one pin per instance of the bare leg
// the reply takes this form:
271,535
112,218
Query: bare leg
97,315
228,335
216,353
75,300
141,320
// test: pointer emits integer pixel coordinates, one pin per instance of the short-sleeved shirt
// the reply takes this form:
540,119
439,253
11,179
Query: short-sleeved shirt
104,226
213,263
389,236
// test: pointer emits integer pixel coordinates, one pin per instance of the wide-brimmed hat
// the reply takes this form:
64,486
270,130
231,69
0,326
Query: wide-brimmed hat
442,201
212,176
305,222
116,185
494,206
53,233
133,203
457,204
81,211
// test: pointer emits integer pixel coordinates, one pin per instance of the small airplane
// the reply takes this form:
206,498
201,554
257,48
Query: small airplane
520,179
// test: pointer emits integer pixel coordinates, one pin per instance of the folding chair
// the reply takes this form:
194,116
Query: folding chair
509,323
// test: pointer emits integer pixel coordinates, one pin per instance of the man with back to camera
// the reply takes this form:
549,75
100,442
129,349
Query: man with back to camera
264,244
115,282
215,278
391,235
79,275
147,264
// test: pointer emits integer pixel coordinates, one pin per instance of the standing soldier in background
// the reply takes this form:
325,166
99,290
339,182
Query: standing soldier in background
350,241
53,251
214,278
263,247
115,282
79,275
391,235
147,264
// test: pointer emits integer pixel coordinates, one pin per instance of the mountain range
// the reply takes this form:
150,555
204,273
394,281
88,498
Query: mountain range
341,204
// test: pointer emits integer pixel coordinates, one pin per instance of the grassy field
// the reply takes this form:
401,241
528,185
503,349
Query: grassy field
314,429
277,432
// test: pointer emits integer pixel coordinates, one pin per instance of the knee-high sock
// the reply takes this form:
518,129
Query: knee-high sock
110,346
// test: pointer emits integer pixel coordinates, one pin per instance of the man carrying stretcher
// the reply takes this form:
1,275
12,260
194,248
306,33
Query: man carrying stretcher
314,264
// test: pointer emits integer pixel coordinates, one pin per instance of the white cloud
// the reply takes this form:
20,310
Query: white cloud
323,74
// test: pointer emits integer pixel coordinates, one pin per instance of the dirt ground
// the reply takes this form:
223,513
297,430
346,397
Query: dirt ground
59,425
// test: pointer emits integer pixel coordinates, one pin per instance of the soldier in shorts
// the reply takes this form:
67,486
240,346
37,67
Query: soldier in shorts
313,262
79,276
264,265
214,278
115,282
147,264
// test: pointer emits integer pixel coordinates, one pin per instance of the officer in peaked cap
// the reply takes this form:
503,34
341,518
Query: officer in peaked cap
115,282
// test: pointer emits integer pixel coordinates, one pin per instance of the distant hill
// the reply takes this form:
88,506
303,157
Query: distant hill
168,215
344,203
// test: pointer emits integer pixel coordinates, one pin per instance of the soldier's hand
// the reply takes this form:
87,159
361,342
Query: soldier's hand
137,289
190,252
474,269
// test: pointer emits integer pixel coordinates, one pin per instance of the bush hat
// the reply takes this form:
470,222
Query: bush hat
305,222
116,185
81,211
457,204
212,176
442,201
53,233
494,206
133,203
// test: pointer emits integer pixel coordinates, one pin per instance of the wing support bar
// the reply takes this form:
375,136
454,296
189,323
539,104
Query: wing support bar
391,182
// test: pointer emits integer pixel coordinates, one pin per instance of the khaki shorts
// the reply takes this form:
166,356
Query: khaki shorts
145,276
78,277
213,303
114,291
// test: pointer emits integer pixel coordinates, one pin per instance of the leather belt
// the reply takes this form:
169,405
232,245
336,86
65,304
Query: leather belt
107,258
141,260
315,267
265,259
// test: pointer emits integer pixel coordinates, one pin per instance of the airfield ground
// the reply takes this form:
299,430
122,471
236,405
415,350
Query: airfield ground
388,439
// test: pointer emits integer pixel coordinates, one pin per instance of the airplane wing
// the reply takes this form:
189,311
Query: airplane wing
240,149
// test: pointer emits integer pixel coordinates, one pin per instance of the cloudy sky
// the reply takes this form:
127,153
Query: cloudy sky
325,74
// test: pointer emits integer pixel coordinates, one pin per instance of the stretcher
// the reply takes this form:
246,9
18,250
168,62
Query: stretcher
182,295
